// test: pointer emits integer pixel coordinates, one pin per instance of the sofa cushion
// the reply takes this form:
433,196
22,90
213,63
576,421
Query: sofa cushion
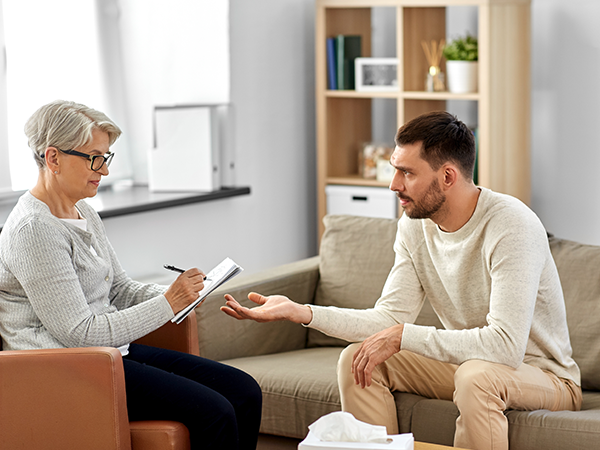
578,267
298,387
434,421
556,429
357,254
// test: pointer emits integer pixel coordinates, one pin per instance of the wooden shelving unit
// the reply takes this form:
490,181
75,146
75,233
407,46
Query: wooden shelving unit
503,100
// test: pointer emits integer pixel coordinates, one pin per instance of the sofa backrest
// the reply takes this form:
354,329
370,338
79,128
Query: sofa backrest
356,255
578,267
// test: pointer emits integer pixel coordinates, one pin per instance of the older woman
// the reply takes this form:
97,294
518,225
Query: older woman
61,285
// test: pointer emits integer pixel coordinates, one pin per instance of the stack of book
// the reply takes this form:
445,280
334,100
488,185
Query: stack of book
342,50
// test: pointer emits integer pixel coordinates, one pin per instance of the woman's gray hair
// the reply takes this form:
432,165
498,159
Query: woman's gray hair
66,126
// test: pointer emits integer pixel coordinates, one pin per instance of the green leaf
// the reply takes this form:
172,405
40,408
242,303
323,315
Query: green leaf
462,49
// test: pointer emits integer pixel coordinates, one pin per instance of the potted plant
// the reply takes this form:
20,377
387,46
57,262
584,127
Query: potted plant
461,64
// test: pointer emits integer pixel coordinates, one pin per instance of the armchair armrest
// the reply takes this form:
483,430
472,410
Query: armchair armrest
63,398
222,337
182,337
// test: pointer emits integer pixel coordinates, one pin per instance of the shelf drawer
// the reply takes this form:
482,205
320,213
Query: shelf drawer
361,201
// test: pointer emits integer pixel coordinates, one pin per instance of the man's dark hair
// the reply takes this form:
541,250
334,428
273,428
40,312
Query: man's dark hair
444,139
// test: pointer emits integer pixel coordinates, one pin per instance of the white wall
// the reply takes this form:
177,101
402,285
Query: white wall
566,117
272,90
5,182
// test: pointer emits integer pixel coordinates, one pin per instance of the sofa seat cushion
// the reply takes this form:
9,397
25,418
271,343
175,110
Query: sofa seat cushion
434,421
559,429
298,387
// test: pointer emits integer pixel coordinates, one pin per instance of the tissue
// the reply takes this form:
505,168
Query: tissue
344,427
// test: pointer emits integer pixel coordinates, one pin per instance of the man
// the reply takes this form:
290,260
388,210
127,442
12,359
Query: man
483,261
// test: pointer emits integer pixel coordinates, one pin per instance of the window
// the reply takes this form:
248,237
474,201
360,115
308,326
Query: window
121,57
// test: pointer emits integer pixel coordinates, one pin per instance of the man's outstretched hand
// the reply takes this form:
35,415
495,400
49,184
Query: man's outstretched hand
272,308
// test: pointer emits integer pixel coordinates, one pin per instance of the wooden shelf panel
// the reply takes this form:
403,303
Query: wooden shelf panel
421,95
356,180
355,94
413,95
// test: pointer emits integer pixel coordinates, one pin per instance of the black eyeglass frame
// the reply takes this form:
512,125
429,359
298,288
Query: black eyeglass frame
106,159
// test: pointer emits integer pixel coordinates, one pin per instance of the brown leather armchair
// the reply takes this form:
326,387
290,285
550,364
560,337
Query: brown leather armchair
74,398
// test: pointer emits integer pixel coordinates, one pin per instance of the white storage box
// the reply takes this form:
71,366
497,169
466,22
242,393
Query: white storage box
396,442
185,156
362,201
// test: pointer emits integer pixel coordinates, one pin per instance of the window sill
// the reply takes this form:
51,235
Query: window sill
120,201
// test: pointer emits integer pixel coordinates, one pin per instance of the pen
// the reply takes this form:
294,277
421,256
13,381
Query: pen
177,269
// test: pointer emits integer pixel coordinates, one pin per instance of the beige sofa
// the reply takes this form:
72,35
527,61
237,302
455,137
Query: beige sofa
295,366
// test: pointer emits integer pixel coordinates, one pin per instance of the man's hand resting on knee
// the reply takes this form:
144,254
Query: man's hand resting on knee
373,351
274,307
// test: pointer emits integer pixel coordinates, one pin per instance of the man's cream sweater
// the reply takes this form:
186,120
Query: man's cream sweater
493,284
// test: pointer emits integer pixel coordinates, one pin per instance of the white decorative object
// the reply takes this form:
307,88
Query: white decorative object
376,74
185,156
462,76
385,171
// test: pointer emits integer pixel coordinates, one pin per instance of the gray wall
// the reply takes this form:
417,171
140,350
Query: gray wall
272,77
272,90
566,117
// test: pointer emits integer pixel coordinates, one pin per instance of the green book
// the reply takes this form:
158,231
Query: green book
348,49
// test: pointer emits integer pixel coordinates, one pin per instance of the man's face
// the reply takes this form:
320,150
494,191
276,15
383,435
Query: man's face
415,183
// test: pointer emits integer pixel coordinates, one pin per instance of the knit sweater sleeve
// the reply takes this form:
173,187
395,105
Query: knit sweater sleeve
41,258
400,302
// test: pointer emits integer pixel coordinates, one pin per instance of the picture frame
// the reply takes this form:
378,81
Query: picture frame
376,74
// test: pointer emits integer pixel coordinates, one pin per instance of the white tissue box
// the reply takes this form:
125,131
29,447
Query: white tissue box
404,441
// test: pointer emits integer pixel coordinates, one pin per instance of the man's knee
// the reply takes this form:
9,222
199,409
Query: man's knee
478,378
344,367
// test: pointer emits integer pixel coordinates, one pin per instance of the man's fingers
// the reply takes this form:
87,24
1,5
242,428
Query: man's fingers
257,298
231,312
361,369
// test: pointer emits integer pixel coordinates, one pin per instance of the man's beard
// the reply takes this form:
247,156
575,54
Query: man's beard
431,203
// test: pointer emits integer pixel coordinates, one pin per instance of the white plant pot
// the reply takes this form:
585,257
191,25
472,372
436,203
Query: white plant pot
462,76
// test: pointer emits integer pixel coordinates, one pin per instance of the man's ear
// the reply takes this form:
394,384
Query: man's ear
450,176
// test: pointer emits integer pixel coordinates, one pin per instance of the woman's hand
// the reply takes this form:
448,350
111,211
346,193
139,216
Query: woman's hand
274,307
184,290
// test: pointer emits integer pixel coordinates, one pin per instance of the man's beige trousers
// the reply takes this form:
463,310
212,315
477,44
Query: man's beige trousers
481,390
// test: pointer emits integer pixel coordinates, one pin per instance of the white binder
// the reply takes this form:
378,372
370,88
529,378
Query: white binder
186,155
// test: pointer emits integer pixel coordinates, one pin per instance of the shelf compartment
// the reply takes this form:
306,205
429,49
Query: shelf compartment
350,21
420,24
348,126
414,108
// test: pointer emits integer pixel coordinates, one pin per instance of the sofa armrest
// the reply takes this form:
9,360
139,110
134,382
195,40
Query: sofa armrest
223,337
182,337
72,398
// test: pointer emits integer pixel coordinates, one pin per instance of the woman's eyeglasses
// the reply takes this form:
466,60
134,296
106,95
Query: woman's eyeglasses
97,161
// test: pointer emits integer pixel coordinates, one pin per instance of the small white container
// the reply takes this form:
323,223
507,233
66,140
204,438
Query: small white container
462,76
361,201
